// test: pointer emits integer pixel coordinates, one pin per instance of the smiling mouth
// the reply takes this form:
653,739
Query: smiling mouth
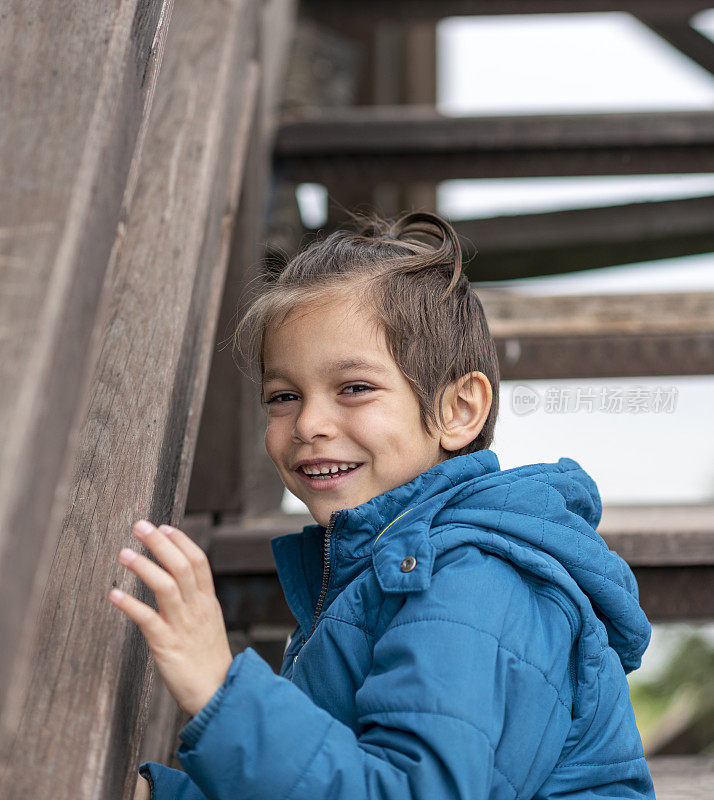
329,476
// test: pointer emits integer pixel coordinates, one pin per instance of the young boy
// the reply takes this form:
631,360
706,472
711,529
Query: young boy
462,631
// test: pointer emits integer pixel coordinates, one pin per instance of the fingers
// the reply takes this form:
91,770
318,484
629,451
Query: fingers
195,555
145,617
180,569
165,588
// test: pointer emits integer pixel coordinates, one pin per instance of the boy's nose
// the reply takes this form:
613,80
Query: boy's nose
312,421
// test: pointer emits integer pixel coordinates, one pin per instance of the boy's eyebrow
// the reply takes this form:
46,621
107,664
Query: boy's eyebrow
344,365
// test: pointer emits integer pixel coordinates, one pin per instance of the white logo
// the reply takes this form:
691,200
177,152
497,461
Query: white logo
524,400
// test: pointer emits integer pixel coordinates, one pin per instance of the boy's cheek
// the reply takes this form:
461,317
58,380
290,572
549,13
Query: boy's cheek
275,440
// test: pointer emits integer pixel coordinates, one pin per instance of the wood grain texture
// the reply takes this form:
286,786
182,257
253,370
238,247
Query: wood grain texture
77,88
81,728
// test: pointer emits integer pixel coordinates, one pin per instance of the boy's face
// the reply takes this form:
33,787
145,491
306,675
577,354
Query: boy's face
322,408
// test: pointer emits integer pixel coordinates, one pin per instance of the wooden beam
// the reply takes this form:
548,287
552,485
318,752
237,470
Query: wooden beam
76,100
81,727
660,536
688,40
526,245
601,336
363,13
362,145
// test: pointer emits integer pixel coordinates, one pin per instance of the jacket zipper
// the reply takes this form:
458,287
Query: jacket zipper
325,581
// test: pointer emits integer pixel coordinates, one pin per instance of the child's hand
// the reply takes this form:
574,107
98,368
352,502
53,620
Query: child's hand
188,635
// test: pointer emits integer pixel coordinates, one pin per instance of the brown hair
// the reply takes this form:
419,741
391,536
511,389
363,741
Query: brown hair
410,279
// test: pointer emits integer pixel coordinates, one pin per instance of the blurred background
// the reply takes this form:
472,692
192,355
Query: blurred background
564,64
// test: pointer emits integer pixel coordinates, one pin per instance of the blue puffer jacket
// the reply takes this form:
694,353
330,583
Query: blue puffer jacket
473,634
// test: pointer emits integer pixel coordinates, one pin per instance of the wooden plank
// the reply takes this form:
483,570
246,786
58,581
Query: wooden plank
81,727
232,471
599,336
511,313
77,89
363,13
526,245
605,356
364,145
682,777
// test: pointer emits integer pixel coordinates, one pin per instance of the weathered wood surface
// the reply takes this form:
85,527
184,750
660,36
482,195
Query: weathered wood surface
363,145
231,470
525,245
76,90
81,727
683,778
601,336
670,549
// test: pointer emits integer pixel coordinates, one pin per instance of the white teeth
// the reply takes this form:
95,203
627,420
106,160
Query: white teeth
327,469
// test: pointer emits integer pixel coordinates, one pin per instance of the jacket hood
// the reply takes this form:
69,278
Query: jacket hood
540,517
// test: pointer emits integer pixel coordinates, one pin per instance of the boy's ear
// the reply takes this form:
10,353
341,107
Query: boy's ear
465,407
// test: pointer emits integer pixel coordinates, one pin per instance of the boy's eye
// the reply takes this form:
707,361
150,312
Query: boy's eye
278,396
357,386
285,397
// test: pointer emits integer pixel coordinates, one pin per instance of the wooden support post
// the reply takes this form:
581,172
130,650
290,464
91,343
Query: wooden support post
91,680
77,86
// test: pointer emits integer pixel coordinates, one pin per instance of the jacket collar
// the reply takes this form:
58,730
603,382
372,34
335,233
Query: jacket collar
387,529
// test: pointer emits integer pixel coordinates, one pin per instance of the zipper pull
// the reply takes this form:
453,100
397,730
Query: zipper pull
295,660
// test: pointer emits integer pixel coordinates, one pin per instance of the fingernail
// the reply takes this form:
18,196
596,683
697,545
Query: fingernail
116,594
126,556
143,526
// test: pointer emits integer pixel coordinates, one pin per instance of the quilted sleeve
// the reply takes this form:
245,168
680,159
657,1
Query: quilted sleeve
445,694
